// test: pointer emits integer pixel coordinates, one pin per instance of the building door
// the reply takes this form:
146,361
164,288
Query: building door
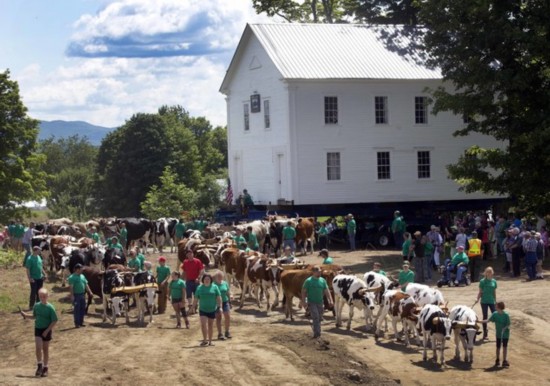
280,176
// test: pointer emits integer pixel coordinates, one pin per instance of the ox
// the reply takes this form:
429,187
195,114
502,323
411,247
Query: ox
354,292
262,273
146,297
465,328
435,325
233,263
139,229
423,295
406,311
164,231
305,233
113,279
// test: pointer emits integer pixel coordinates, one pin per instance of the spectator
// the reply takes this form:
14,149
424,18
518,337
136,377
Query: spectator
419,262
225,291
163,274
493,248
517,252
459,263
398,227
289,236
540,255
488,295
351,228
192,269
507,247
428,257
208,297
313,290
474,254
406,276
35,274
436,240
530,245
461,238
326,258
323,236
408,247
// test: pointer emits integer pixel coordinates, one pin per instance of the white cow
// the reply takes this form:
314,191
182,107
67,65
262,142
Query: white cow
352,291
435,325
465,329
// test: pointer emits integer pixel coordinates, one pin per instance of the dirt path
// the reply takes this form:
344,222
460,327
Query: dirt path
266,350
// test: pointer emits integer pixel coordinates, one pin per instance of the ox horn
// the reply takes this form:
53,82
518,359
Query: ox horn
374,289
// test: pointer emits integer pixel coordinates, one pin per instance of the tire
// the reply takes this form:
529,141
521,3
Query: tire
383,239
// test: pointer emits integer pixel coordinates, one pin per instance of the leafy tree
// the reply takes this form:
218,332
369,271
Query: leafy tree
21,175
170,198
209,195
384,11
70,167
495,57
309,11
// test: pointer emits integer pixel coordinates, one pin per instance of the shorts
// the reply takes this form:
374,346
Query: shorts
504,343
175,301
209,315
190,288
226,307
38,333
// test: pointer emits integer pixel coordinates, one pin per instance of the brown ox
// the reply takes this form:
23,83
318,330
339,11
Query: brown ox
262,273
233,263
57,244
94,276
406,310
304,233
293,280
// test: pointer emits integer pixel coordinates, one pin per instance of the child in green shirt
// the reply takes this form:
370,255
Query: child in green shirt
501,319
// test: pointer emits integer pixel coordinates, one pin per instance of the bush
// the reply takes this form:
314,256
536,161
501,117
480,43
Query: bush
9,258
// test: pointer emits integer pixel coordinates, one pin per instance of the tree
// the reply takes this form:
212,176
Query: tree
309,11
170,198
21,176
70,164
494,56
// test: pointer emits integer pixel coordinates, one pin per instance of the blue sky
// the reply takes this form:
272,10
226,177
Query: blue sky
101,61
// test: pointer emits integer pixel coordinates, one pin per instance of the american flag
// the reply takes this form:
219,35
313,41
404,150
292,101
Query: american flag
229,194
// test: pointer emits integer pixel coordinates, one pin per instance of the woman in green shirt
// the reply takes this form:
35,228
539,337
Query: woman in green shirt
488,295
225,291
406,276
177,296
209,297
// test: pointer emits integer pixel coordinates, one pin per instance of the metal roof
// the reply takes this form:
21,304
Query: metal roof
340,51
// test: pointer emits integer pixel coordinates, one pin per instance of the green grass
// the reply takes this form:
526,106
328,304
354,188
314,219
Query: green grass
9,258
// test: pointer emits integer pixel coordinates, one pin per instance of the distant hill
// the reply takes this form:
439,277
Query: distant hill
64,129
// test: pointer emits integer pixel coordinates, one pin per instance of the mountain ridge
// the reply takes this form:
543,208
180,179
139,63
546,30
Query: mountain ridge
65,129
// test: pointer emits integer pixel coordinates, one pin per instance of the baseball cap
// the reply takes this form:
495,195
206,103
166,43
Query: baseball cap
323,252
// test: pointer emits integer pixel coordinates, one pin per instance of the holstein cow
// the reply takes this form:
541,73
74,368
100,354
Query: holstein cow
354,292
406,310
164,231
73,256
389,299
113,256
376,280
262,273
434,324
305,232
139,229
422,295
465,328
259,227
113,279
146,297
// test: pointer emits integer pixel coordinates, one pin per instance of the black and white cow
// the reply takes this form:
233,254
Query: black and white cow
113,256
119,300
73,256
139,229
435,325
375,280
465,329
43,243
164,231
145,298
423,295
354,292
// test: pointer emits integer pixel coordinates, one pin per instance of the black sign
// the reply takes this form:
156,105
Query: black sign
255,105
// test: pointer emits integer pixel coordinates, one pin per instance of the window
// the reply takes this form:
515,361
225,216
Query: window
381,109
383,165
420,110
246,117
333,166
423,164
267,119
331,110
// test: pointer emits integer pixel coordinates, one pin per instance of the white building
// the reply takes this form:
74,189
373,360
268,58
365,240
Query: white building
327,114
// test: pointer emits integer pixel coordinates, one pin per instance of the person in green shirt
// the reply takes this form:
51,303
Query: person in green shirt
179,230
209,298
398,227
134,263
35,275
113,243
123,236
406,276
323,236
377,267
459,262
352,230
141,259
93,235
45,319
163,274
252,240
78,287
18,232
488,295
326,258
289,236
238,239
313,290
201,224
177,296
225,291
501,319
407,250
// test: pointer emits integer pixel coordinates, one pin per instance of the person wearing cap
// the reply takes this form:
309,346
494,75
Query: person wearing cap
459,262
323,236
398,227
540,254
35,274
326,258
313,290
78,286
406,276
530,248
163,274
474,254
377,267
351,228
517,252
289,235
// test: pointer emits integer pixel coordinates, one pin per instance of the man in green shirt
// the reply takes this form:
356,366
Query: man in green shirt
163,274
398,227
323,236
289,236
123,236
459,262
405,277
377,267
79,287
35,274
18,232
326,258
352,230
252,240
407,249
313,290
238,239
180,229
134,263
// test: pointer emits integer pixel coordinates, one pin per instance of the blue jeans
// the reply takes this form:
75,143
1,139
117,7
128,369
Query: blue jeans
79,309
190,288
484,310
531,267
291,243
316,311
398,239
459,271
351,236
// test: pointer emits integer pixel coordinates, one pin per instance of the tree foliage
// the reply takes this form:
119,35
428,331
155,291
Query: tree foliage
309,11
70,164
21,176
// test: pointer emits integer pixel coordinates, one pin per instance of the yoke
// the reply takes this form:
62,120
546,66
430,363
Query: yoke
134,289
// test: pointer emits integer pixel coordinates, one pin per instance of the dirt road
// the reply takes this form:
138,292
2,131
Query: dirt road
267,350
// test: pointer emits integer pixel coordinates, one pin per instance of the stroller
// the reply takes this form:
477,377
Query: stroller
448,278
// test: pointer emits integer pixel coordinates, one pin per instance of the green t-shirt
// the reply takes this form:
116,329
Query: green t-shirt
95,237
34,265
239,240
11,230
501,321
252,241
124,234
79,283
116,245
44,315
398,225
315,287
405,277
207,297
428,248
289,233
461,257
18,231
406,246
200,225
488,288
141,259
382,273
176,288
351,226
328,260
180,229
162,273
224,289
323,231
134,263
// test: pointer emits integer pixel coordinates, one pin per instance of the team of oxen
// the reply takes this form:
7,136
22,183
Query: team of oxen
420,310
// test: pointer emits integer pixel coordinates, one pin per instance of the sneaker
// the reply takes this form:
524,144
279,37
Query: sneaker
228,335
82,325
497,363
221,337
204,343
456,282
505,364
44,372
38,370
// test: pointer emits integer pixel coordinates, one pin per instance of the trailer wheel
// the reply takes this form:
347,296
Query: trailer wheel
383,239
